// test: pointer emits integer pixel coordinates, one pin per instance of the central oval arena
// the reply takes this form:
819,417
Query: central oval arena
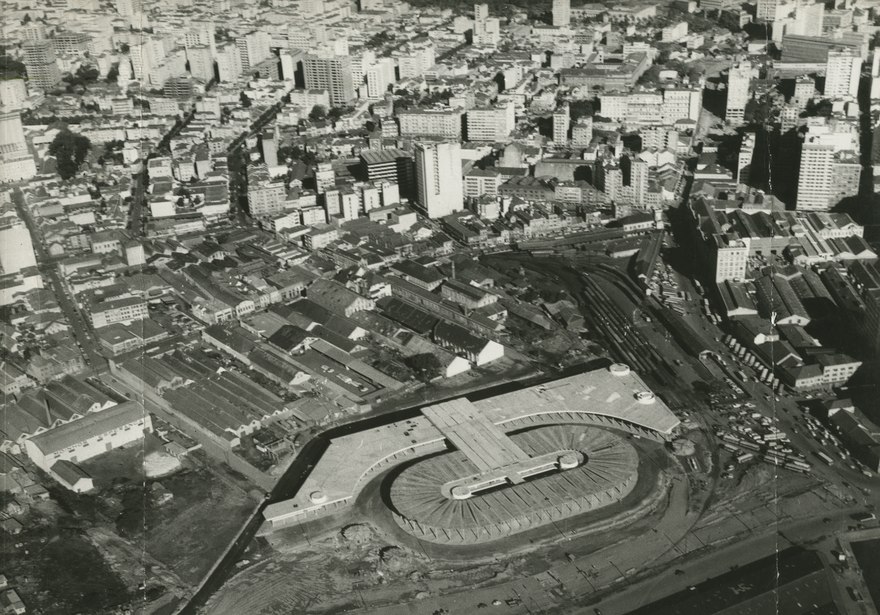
558,472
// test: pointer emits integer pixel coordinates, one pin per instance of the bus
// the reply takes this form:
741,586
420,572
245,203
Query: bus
826,458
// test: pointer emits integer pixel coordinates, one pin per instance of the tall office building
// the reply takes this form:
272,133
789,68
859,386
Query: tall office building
439,178
561,13
738,93
332,74
561,122
16,249
842,70
39,59
830,167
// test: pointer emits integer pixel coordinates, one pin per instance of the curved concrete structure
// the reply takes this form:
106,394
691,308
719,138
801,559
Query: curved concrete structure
614,397
604,471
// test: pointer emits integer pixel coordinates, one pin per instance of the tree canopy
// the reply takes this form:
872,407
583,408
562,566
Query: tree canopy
427,366
318,113
245,101
10,68
70,150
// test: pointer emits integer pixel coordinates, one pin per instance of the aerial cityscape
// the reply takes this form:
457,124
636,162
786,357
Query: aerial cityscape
433,307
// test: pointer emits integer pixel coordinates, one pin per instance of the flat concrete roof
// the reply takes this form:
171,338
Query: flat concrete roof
601,396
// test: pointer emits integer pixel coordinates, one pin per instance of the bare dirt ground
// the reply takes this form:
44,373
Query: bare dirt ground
372,562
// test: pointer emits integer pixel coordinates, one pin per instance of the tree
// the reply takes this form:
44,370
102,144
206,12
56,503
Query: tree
113,74
245,101
426,365
10,68
318,113
580,108
70,150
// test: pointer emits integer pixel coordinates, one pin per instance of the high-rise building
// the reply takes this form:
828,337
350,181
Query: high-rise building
582,132
744,158
34,31
254,47
875,76
804,90
842,70
39,59
738,93
561,122
830,167
325,177
771,10
491,123
487,30
561,13
228,63
201,62
439,178
378,77
389,165
332,74
269,145
16,249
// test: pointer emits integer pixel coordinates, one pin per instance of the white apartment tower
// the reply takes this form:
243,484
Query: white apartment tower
439,178
561,122
842,70
561,13
738,93
333,74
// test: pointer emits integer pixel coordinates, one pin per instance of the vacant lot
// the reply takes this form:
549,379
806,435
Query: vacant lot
57,570
189,531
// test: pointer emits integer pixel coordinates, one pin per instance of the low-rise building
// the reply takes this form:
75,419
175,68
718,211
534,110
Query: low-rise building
90,436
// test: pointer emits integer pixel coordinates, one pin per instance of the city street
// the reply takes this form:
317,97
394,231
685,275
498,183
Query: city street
82,332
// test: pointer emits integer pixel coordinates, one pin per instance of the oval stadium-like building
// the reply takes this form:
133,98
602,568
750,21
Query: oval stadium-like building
596,469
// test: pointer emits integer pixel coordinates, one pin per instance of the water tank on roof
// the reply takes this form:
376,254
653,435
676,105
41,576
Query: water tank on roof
619,369
645,397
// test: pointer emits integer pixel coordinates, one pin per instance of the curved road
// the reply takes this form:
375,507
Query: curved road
299,469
